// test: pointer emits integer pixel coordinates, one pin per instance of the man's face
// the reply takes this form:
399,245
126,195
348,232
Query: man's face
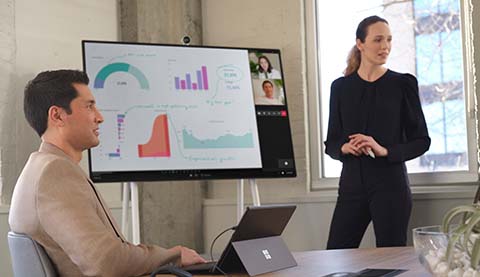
268,90
81,126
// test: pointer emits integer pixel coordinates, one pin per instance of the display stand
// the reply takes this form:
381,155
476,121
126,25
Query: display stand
130,193
241,197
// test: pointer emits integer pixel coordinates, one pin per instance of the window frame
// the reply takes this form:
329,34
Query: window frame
418,180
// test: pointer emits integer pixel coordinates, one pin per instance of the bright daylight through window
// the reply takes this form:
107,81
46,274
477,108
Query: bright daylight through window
427,42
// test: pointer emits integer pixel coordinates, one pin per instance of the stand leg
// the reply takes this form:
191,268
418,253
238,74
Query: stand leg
254,191
135,214
240,199
125,200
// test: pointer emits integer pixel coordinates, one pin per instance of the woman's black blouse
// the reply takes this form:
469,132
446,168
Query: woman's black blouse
387,109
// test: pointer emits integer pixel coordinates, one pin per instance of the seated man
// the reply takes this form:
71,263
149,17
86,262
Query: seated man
55,202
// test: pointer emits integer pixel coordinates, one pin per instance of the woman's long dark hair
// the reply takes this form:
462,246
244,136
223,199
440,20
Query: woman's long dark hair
354,58
260,69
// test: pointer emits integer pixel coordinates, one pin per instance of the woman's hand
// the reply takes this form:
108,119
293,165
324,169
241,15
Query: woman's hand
349,148
363,143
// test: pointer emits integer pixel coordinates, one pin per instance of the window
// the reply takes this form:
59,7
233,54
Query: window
431,39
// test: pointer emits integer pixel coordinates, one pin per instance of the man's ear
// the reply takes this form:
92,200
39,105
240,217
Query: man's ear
56,116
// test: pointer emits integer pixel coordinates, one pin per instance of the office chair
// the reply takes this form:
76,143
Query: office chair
28,257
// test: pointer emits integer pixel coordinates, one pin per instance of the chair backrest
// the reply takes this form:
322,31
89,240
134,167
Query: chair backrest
28,257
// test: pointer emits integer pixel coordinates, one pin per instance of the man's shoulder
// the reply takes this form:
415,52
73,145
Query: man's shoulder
48,166
52,159
41,170
44,161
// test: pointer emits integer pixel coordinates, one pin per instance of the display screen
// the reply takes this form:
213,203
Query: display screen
176,112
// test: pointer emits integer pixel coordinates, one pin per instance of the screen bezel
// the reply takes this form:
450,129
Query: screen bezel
188,174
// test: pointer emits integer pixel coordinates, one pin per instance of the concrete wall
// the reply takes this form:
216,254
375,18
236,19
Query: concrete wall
180,220
40,35
36,36
7,99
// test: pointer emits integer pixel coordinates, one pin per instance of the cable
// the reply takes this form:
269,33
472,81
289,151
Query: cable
215,239
169,268
213,243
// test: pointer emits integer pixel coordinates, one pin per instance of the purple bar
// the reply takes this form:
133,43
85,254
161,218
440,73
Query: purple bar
194,86
189,81
199,79
177,83
205,77
120,120
182,84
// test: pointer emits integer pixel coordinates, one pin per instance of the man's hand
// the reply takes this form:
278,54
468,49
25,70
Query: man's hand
363,143
189,257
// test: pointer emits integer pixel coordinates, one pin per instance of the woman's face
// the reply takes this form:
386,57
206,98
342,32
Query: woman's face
377,45
264,64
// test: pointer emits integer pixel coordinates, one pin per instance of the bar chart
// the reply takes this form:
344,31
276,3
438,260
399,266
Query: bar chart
120,135
189,84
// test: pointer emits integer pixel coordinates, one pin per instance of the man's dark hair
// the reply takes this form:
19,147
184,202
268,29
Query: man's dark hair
50,88
267,82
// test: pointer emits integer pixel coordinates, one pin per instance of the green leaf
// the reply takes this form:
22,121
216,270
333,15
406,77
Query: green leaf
453,239
450,215
474,219
463,235
475,257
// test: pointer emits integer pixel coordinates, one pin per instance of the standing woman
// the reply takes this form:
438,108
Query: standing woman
376,124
